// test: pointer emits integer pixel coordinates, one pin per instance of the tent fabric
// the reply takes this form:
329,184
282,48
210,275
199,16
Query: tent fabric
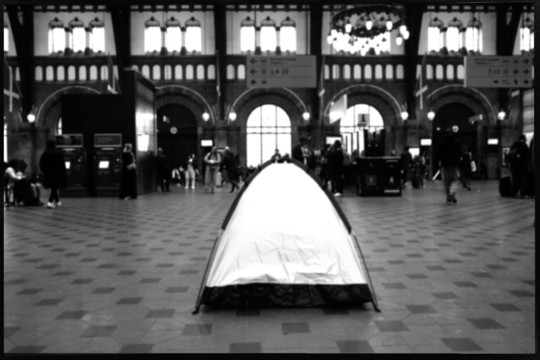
285,243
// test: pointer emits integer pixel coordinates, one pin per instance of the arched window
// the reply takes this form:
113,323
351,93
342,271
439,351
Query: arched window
358,118
173,35
287,35
268,35
97,35
434,35
453,35
59,127
152,35
268,128
77,41
6,38
473,36
193,35
57,36
247,35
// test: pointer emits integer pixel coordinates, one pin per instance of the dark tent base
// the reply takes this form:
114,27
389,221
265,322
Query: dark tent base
268,295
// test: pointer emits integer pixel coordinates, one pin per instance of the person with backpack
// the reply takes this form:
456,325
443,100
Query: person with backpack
518,159
334,168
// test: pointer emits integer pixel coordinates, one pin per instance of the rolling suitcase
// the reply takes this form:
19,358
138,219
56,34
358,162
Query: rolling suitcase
505,186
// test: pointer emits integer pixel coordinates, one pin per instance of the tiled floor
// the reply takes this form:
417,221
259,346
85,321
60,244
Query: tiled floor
101,275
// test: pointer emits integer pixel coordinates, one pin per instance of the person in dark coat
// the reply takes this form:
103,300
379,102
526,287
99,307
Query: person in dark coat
297,152
53,167
406,161
163,171
230,166
128,184
518,158
449,155
334,167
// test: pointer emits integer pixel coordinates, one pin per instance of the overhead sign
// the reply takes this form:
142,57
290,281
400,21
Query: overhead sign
281,71
498,71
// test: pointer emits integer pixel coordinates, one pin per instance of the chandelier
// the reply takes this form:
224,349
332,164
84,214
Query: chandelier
366,29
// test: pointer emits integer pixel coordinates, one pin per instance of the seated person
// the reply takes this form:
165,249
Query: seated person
24,191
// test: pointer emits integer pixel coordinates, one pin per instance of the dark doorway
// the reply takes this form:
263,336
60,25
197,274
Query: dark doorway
453,115
177,133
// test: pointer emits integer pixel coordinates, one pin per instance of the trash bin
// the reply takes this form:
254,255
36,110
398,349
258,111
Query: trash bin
378,176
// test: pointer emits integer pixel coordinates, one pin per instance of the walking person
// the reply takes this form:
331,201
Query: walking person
334,168
230,167
465,171
163,171
449,152
518,158
191,171
212,161
128,183
53,167
406,160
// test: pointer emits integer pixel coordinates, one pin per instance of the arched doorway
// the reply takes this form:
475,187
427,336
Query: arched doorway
268,128
352,127
177,133
454,115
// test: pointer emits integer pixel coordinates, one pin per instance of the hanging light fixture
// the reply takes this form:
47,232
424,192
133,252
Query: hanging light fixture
366,29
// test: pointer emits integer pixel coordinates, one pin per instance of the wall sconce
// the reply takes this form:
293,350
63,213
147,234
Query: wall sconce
206,116
501,115
404,115
431,115
31,118
306,115
232,116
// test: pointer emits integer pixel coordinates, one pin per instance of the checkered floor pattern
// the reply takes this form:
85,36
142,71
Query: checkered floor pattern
103,275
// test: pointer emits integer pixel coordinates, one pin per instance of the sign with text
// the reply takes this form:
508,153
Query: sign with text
498,71
281,71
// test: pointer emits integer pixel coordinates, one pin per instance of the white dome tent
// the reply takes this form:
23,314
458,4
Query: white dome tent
285,242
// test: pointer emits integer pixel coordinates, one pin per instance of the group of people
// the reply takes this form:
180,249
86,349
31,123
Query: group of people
26,191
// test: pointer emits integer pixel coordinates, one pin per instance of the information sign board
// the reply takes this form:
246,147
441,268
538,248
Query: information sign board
281,71
498,71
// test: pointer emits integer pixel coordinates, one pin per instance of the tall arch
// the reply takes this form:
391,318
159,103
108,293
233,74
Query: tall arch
178,94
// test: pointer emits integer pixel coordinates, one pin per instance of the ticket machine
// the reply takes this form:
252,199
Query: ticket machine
107,163
75,160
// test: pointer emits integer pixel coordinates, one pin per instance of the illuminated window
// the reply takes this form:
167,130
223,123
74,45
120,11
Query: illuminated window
268,35
6,39
287,35
57,36
193,35
434,35
97,35
526,35
268,128
173,35
59,127
473,36
76,35
247,35
5,142
453,35
152,35
358,118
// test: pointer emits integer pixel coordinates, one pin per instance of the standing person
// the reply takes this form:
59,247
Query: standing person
276,157
212,161
465,171
191,171
299,150
163,171
231,168
53,167
406,159
334,168
449,151
518,158
128,184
